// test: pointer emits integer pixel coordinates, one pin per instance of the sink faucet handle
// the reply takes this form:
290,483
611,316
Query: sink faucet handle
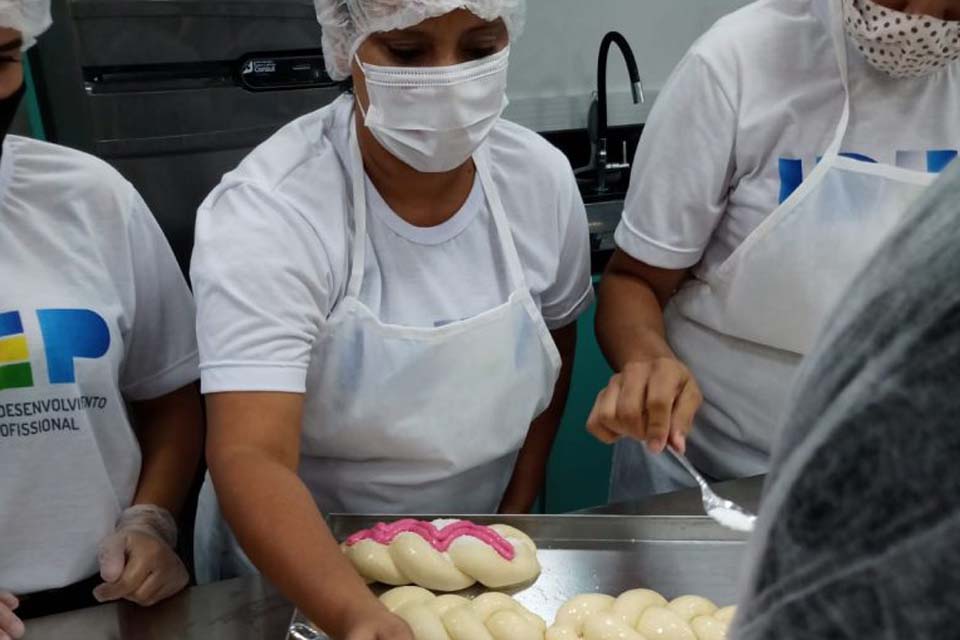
637,89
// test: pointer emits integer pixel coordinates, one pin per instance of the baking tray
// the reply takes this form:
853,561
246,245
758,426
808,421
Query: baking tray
674,555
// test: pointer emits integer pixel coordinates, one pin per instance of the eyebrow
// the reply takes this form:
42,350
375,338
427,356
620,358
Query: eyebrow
490,26
13,45
401,34
419,32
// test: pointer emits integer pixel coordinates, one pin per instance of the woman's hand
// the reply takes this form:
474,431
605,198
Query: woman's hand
373,622
385,627
11,627
653,401
138,562
139,568
654,396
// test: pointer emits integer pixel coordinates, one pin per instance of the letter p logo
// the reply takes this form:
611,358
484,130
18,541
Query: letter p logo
69,334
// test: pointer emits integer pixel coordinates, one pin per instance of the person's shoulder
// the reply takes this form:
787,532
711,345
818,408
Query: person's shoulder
309,143
527,156
301,169
753,22
294,186
757,31
50,169
536,184
70,189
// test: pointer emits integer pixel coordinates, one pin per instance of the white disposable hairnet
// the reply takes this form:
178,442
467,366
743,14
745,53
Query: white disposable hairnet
29,17
859,529
347,23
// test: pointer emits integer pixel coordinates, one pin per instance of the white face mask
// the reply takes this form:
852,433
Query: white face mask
903,45
434,118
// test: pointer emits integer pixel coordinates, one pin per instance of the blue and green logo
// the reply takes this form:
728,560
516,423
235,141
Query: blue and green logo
15,371
68,334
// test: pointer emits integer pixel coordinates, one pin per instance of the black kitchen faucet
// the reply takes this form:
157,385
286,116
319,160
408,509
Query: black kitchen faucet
636,87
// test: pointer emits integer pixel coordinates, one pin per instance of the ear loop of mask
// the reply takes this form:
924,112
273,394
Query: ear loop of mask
356,97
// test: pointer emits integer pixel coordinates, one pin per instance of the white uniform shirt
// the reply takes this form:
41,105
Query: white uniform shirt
271,259
94,312
742,120
746,115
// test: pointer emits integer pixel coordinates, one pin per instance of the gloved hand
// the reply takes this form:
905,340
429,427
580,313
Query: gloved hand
138,562
10,625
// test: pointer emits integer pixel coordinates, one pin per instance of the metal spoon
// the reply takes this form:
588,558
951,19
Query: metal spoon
725,512
300,631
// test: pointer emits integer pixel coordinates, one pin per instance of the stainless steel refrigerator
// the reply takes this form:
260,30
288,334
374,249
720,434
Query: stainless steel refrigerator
174,93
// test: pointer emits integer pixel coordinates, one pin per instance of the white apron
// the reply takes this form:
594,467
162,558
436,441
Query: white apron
744,327
410,420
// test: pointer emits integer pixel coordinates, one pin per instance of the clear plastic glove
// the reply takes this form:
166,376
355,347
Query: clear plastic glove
11,627
138,562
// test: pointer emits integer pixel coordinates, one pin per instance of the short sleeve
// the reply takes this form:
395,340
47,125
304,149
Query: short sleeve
264,289
161,347
682,171
572,291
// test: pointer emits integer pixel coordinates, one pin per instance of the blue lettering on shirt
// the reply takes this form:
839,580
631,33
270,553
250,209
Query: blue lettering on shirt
935,161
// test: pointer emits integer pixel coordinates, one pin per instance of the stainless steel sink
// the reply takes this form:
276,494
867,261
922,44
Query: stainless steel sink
618,180
603,218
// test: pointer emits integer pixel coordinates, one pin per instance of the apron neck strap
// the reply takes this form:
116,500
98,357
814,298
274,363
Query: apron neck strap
481,160
508,248
359,180
832,14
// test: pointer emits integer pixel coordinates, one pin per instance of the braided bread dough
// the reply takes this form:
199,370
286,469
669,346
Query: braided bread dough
640,614
491,616
410,559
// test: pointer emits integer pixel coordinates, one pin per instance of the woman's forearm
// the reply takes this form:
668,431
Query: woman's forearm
280,528
530,472
170,432
629,323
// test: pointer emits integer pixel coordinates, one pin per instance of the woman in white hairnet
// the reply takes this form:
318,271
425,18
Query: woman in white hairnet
387,292
857,537
784,148
100,419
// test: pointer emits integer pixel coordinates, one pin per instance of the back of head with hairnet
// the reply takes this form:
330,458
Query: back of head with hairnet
347,23
29,17
859,535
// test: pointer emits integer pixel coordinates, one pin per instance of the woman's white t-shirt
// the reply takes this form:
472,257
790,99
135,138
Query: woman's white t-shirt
743,119
94,313
271,259
746,116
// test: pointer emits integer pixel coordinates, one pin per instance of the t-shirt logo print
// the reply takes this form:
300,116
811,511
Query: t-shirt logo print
67,334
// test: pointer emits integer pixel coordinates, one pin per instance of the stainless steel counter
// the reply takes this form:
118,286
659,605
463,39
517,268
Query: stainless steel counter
251,609
243,609
744,492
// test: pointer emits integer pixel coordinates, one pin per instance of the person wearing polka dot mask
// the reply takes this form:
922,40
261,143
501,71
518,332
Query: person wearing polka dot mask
904,45
784,149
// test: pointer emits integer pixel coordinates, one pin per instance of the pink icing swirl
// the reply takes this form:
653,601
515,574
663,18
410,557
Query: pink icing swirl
439,539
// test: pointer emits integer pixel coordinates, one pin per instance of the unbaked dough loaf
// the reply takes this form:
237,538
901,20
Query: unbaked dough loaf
444,555
491,616
640,614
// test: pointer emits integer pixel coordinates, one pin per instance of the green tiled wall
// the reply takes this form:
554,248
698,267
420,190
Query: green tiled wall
579,471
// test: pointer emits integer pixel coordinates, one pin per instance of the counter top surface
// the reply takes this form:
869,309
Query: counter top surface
745,492
251,609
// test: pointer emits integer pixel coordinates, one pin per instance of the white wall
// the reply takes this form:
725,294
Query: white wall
553,66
